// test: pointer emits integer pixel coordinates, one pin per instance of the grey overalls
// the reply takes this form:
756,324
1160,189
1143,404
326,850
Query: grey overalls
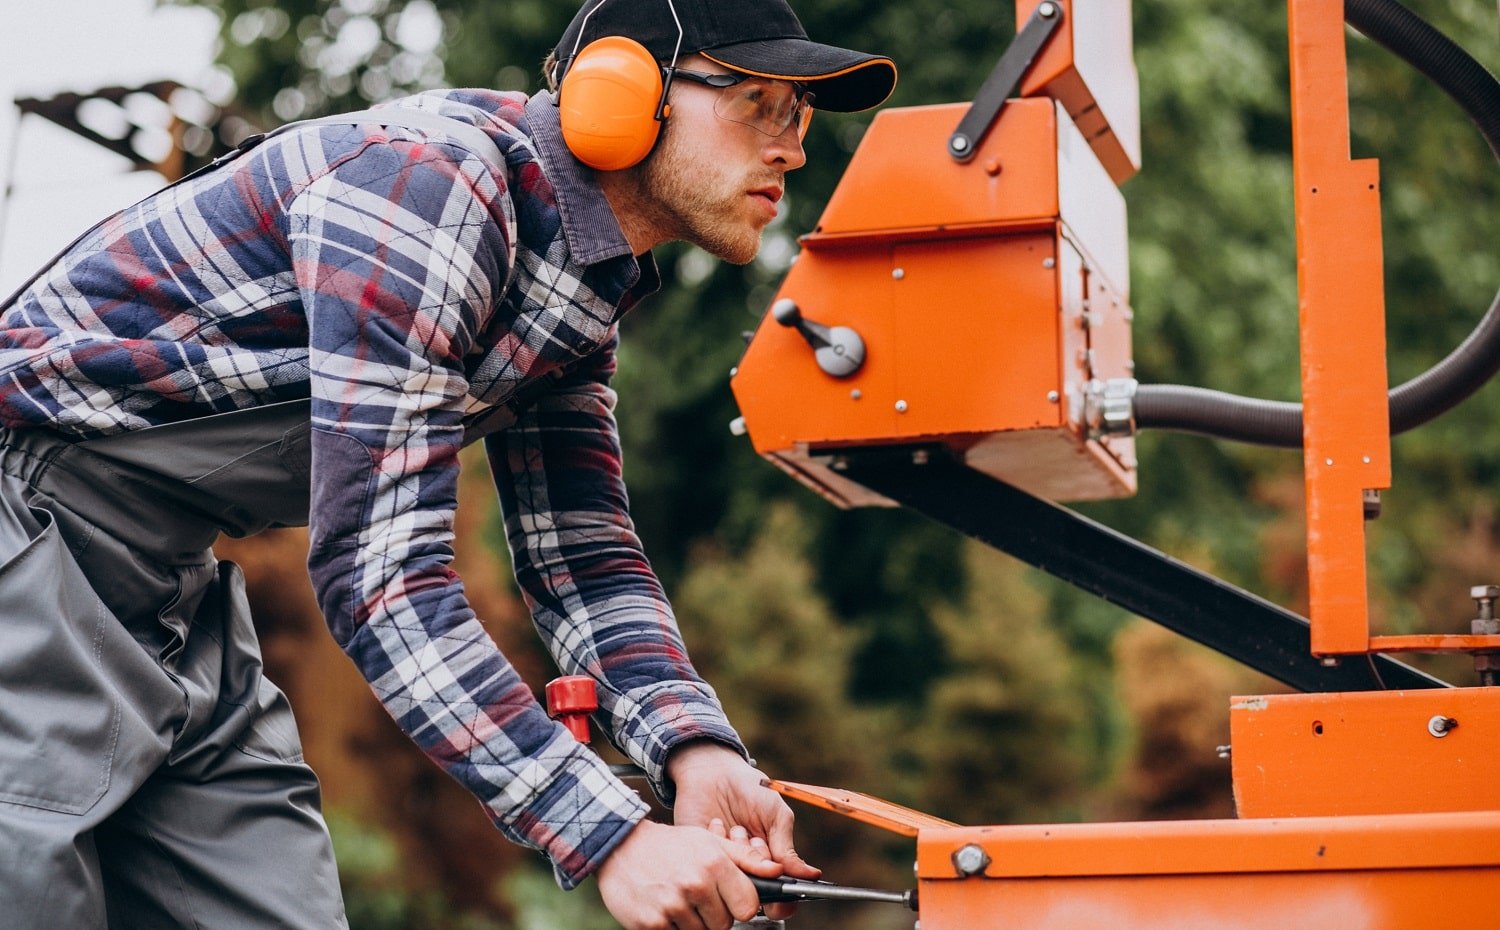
149,775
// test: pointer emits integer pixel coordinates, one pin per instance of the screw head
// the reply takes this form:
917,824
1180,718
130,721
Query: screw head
970,859
1440,725
900,406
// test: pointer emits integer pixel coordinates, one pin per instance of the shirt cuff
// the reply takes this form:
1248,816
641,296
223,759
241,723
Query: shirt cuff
669,715
567,804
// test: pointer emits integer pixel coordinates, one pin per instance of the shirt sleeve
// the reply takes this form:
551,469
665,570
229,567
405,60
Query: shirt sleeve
581,567
399,252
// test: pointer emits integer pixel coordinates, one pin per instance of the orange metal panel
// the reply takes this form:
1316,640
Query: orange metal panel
901,177
1399,872
1365,753
862,807
1089,67
1342,310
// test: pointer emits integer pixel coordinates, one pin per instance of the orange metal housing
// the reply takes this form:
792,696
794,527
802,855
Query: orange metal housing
1089,67
988,295
1391,872
1366,753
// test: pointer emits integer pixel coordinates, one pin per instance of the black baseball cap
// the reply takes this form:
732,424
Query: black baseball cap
760,37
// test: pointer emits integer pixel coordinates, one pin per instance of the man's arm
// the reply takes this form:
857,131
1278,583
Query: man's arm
399,251
593,595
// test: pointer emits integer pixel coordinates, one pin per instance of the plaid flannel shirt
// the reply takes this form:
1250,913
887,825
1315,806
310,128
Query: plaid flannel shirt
423,302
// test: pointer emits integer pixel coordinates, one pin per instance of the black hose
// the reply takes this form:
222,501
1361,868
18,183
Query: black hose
1441,387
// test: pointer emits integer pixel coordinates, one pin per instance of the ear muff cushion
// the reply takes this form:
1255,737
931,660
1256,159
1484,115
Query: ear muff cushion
608,103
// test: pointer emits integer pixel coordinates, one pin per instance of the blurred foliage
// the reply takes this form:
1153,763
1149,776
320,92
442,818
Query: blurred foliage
876,650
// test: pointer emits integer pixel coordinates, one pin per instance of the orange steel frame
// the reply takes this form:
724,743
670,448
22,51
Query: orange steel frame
1372,810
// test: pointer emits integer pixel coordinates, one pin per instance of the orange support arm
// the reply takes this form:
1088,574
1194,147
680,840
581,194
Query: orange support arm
1345,430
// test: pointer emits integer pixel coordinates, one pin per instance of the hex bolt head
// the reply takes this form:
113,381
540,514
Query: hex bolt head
1440,726
970,859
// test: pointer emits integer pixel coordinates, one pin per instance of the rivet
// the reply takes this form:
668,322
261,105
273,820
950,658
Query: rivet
1367,460
898,273
992,167
1328,461
900,406
856,394
1053,397
1049,262
735,370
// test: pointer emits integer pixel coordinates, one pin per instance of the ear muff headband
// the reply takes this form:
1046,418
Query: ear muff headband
609,102
612,98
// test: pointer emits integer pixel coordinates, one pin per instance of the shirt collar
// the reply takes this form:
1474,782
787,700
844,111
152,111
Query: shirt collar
588,223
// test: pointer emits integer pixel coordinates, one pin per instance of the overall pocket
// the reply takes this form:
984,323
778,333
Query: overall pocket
59,718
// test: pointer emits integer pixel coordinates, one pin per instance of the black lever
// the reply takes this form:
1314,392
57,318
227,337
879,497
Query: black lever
1004,80
780,890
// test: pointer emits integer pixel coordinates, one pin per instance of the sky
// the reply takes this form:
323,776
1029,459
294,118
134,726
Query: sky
60,183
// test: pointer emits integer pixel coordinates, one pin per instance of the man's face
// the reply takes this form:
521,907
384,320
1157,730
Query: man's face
714,182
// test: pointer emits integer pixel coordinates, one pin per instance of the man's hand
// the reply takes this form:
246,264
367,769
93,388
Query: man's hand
714,784
681,878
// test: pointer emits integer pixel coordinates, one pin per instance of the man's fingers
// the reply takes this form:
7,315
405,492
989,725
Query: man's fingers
785,853
748,860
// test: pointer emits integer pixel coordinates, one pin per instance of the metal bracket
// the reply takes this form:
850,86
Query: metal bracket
1004,80
1123,571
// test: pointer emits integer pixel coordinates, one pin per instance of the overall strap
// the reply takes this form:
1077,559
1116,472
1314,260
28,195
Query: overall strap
466,135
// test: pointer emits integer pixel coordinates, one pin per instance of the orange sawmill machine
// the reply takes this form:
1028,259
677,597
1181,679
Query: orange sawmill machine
955,337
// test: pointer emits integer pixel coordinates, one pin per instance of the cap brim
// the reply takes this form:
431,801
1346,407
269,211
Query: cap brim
842,80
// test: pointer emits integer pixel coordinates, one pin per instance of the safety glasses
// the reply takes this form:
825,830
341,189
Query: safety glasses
761,103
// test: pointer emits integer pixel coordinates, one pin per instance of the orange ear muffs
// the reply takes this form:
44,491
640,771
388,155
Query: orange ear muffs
608,101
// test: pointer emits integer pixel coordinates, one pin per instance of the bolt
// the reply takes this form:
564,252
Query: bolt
970,859
1047,10
1367,460
1053,397
900,406
1328,461
734,371
856,394
1222,752
959,144
898,273
737,427
1329,661
1049,262
920,457
1440,726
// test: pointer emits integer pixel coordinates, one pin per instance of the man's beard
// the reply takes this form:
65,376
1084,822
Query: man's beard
695,202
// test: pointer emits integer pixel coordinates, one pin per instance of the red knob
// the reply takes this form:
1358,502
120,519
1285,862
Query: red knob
571,699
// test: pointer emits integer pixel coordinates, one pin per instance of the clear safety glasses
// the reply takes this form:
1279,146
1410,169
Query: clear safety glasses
767,105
